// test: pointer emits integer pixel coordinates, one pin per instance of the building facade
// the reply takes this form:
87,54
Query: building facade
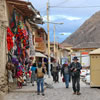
16,39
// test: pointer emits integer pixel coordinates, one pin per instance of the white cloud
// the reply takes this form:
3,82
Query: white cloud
65,33
57,17
74,18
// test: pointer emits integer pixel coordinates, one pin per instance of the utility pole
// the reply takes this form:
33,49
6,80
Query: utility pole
57,46
49,61
54,41
48,39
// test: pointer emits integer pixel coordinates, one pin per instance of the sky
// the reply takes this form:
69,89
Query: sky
72,18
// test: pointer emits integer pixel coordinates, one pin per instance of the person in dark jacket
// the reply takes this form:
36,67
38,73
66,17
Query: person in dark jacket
55,71
75,68
65,72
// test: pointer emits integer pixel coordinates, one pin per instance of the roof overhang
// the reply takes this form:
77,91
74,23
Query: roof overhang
95,52
83,48
27,10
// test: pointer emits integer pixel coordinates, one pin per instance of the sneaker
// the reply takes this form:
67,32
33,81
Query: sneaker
38,93
78,93
74,93
67,87
43,94
32,84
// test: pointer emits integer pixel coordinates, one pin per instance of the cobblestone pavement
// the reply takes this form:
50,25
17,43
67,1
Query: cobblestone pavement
59,92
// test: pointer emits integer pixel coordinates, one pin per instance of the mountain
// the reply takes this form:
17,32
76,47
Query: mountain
88,32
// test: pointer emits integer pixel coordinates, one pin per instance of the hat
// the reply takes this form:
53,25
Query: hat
75,58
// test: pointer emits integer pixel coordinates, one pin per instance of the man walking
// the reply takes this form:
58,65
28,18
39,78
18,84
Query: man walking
55,71
75,68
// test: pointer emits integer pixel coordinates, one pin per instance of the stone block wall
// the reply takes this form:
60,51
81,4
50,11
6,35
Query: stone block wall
3,26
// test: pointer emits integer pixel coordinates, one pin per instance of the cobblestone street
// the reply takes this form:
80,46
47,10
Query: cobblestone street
59,92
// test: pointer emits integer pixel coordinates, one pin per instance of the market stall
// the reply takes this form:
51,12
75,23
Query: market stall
95,68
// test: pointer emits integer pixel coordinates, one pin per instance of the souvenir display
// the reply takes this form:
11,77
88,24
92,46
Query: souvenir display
19,41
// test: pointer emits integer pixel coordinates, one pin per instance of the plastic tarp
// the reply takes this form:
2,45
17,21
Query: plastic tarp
39,54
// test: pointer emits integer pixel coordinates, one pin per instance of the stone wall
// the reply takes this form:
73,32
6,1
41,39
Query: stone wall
3,25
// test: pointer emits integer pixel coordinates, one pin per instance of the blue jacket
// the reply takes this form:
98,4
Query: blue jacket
33,68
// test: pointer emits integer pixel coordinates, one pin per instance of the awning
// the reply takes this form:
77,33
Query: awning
27,10
97,51
38,54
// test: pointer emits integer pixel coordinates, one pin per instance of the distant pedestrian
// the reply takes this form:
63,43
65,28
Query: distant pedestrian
55,71
75,68
33,76
40,71
65,72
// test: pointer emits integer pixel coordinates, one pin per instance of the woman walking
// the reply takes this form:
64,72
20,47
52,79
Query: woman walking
65,72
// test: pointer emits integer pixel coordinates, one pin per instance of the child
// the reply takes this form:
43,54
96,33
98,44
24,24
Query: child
20,79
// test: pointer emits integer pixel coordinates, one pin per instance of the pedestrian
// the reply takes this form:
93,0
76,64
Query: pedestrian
33,76
55,71
65,72
40,71
75,68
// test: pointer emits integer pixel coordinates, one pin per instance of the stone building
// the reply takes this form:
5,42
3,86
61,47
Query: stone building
3,59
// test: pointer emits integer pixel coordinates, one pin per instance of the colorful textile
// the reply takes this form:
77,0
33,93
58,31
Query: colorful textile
10,36
13,23
18,42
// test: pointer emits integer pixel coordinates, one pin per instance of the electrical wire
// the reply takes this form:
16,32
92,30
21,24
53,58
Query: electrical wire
75,7
62,2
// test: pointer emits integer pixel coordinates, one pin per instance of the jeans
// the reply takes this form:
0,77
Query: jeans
66,77
40,83
33,77
76,83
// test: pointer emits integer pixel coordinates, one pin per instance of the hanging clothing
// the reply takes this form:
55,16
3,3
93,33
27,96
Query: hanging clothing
32,50
10,36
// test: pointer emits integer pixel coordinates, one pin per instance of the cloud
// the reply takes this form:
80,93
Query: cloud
59,17
65,33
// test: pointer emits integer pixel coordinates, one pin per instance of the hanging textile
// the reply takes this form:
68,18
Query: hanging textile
10,36
14,22
32,51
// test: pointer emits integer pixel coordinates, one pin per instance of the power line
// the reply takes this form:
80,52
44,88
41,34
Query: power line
75,7
62,2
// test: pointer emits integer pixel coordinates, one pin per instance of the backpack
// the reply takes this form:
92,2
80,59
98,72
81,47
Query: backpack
40,74
66,70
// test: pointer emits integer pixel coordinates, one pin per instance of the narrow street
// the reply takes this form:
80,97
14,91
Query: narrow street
43,38
59,92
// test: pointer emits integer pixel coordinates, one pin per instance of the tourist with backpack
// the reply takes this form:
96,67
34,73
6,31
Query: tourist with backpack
40,71
65,72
